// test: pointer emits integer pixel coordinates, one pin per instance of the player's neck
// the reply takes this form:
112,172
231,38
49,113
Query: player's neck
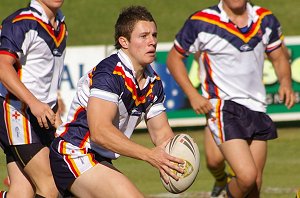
238,16
51,14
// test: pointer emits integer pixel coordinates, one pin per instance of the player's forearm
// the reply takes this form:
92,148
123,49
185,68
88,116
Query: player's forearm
159,129
114,140
283,71
178,70
12,83
280,61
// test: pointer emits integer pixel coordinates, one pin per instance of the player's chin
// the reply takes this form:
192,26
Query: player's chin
150,57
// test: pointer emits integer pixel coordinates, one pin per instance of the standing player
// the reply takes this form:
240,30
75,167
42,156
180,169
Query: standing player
110,101
32,50
232,38
214,159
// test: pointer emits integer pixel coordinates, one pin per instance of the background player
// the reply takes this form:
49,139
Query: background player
214,159
32,50
232,38
110,101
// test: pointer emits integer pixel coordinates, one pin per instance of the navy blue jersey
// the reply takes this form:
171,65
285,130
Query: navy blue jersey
39,49
113,79
232,58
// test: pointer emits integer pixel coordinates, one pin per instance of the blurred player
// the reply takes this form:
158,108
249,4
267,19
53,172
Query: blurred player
214,159
32,49
232,38
110,101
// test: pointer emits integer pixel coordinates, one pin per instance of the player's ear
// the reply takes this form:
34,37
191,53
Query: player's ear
123,42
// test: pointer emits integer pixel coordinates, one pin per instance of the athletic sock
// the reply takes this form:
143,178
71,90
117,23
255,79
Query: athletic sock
230,173
220,175
3,194
298,193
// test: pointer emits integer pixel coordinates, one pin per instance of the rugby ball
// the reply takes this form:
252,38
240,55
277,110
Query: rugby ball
183,146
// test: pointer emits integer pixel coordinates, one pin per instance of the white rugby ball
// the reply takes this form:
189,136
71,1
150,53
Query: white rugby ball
183,146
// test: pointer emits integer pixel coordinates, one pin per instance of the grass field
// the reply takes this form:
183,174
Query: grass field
281,176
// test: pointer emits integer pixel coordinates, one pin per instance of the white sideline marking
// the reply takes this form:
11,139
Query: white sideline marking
266,190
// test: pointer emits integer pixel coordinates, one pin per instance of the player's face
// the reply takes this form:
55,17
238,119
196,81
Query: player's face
142,44
235,5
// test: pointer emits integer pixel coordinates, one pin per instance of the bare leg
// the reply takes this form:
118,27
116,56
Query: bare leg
215,163
259,153
38,169
239,156
101,181
20,185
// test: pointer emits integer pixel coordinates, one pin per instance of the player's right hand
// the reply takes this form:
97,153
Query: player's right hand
200,104
165,163
43,114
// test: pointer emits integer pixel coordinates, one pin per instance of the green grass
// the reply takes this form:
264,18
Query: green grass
91,22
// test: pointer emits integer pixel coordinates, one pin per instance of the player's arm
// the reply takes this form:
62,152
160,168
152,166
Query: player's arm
104,133
159,129
161,133
178,70
280,60
10,79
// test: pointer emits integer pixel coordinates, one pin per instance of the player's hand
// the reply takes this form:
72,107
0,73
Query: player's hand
165,163
43,113
200,104
58,120
287,95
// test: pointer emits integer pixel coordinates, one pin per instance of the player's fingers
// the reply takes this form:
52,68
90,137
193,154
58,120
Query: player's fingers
51,116
290,100
170,171
175,159
164,176
281,96
179,167
45,122
40,121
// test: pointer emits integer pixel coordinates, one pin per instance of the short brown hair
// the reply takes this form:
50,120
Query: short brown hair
127,20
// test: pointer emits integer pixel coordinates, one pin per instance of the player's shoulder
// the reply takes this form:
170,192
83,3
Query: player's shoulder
106,67
108,63
24,18
208,12
261,10
264,14
12,16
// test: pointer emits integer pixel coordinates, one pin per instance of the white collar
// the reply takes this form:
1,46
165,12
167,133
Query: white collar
149,72
36,5
252,16
126,60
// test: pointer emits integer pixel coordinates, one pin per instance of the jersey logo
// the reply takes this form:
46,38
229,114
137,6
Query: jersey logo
245,48
135,112
56,52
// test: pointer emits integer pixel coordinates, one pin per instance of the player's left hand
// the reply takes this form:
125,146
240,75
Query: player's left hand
287,95
58,120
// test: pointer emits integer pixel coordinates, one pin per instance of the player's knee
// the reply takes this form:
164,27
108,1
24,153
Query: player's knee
259,181
49,190
215,164
247,180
